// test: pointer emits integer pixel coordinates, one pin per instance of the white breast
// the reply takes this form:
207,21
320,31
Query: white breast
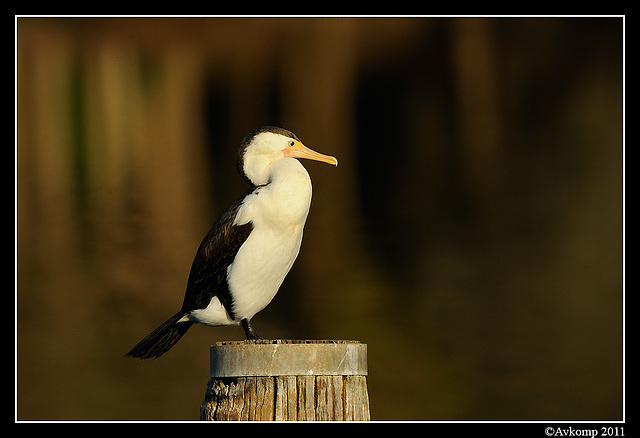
260,268
278,212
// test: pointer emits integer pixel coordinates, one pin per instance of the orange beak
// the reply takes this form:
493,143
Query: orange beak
298,150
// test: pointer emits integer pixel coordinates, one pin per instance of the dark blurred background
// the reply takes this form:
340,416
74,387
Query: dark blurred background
471,235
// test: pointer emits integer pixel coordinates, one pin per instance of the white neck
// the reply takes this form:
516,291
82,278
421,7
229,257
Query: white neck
284,201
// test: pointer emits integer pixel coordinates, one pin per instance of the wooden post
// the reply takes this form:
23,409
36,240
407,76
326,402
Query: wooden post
287,380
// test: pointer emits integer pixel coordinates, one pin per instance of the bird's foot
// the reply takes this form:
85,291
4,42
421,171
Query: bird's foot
248,330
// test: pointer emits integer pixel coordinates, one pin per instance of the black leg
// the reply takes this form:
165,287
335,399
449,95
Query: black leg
248,330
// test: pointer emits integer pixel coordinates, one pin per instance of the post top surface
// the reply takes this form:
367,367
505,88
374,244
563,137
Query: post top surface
285,341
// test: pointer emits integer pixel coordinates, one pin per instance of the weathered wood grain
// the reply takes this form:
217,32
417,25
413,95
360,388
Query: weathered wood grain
309,397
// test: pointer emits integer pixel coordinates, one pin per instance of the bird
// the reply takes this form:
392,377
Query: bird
246,255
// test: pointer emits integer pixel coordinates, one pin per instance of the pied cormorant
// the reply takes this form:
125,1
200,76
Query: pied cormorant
245,256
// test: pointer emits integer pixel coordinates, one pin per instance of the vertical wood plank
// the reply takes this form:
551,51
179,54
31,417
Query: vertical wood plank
324,408
235,391
306,398
249,394
280,405
336,391
292,398
286,398
356,398
329,398
265,398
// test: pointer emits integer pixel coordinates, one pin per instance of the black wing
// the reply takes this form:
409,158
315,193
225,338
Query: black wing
208,276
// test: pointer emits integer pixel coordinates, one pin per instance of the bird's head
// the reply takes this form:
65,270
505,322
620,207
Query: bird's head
260,149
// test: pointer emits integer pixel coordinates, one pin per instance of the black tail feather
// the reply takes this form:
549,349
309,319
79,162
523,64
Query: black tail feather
159,341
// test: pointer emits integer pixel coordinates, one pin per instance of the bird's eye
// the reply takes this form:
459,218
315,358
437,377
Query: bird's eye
292,143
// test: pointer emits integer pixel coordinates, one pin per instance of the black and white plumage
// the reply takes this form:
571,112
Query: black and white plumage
245,256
